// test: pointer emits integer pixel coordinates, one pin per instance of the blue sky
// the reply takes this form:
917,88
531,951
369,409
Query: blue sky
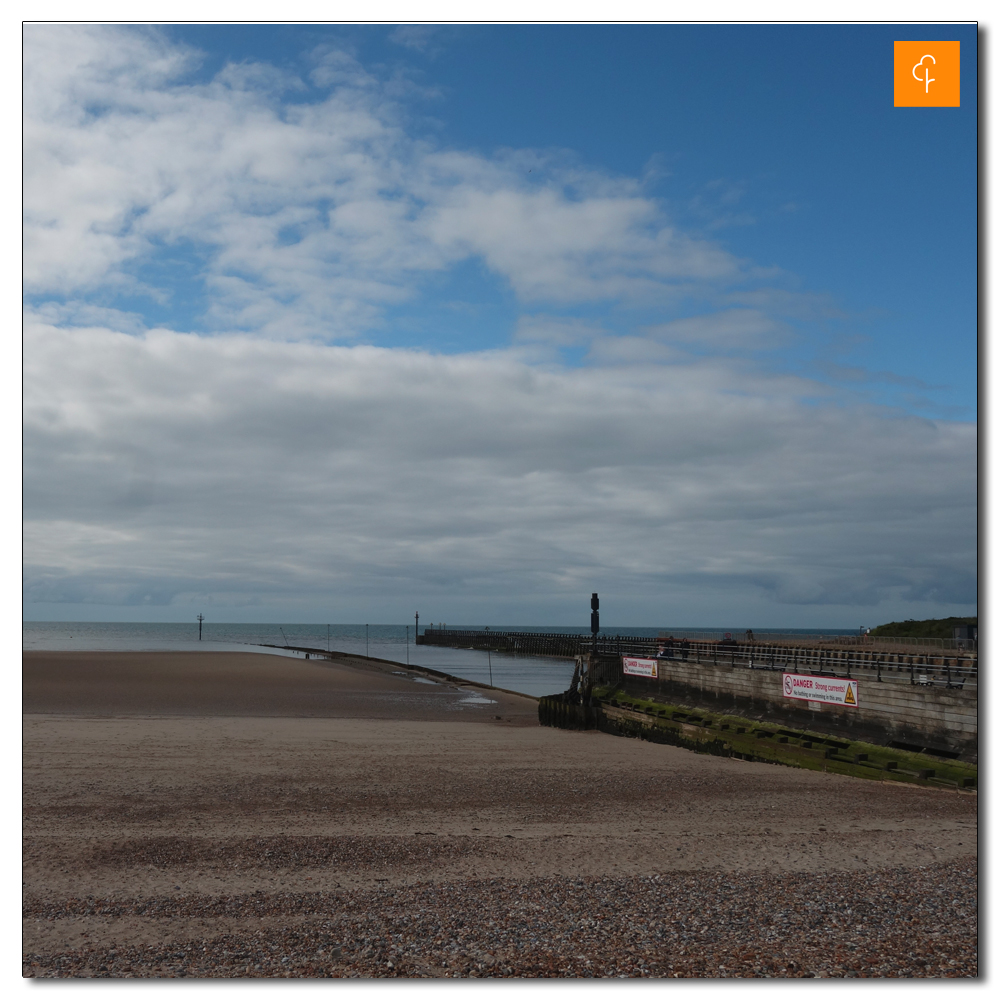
778,142
688,312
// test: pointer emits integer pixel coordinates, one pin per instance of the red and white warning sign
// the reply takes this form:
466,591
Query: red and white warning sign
639,668
830,690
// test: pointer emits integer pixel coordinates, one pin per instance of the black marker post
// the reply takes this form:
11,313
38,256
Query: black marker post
595,627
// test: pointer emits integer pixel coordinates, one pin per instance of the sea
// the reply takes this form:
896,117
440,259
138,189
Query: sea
534,675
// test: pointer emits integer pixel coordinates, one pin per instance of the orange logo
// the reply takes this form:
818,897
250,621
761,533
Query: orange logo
925,74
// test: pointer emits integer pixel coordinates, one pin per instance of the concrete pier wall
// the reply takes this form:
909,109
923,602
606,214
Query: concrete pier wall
924,713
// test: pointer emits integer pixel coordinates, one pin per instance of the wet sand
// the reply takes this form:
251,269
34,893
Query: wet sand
247,685
239,809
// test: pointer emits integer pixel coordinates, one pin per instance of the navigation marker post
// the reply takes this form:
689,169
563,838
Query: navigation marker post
201,618
585,679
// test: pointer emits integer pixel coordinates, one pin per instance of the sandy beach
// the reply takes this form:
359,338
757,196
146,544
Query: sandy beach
243,814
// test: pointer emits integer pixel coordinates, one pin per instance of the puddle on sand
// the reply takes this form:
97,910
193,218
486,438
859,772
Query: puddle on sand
412,677
476,699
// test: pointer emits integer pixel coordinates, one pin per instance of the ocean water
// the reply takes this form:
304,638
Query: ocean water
534,675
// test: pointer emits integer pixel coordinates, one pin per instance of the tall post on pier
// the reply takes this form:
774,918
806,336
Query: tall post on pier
587,680
416,627
201,618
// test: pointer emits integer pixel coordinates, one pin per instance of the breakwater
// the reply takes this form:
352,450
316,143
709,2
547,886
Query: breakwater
932,707
420,671
835,656
525,643
728,735
923,698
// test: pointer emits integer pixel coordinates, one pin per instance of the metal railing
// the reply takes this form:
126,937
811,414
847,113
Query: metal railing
801,638
575,643
949,668
887,641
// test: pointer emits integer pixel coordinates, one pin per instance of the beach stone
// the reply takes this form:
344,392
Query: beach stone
434,842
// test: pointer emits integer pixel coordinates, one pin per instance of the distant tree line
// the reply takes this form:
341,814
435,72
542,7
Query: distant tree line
932,628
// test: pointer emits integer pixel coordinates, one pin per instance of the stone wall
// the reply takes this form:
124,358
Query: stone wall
890,708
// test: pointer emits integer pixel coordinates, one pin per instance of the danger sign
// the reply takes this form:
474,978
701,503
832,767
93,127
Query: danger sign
639,668
830,690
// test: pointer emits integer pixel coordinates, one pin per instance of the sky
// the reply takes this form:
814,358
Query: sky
339,323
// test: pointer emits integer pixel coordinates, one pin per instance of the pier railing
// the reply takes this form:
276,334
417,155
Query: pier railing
902,642
926,666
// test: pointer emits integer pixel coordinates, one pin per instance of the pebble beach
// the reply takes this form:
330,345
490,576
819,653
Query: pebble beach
238,815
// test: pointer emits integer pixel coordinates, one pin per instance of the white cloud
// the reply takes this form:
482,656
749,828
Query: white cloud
557,250
425,38
558,331
167,466
730,329
164,467
307,219
626,350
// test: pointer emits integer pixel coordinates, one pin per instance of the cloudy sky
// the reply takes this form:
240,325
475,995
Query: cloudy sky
343,323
